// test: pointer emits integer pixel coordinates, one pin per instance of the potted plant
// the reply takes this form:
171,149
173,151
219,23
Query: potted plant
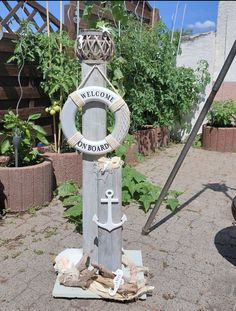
219,134
60,71
30,183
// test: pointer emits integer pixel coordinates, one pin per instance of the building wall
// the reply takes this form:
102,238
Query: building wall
226,35
214,48
196,48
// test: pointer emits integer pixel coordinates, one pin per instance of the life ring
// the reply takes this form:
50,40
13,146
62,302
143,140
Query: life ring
84,96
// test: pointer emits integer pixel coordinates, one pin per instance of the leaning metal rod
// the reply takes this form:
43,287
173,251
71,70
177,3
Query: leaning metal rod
147,227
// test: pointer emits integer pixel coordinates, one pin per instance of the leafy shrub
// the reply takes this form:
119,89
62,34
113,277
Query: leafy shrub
222,114
54,59
144,70
197,143
135,187
69,194
29,133
59,69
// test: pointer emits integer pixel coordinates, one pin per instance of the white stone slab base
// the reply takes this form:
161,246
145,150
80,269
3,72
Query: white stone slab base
76,292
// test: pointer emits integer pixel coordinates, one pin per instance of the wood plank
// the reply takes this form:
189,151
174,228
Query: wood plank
69,13
94,128
25,112
7,35
14,93
6,45
110,243
13,71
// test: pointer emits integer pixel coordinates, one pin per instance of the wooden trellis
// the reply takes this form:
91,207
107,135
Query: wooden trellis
29,11
33,99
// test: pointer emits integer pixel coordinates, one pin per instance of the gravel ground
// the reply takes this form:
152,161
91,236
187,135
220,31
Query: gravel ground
191,254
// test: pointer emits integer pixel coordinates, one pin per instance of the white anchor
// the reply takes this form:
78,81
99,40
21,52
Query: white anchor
109,225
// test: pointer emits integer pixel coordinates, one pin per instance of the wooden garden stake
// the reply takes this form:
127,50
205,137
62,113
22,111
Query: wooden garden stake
48,23
60,24
61,97
55,133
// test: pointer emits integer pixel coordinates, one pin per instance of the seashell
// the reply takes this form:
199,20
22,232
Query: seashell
67,260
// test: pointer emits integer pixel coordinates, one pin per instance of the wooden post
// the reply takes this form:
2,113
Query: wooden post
93,128
110,243
69,14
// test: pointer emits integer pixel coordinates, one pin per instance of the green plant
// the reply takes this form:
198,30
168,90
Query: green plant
114,8
159,92
122,150
55,62
38,251
140,157
29,134
197,143
68,193
135,187
222,114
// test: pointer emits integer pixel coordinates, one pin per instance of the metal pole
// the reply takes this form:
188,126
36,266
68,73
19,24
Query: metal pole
216,86
173,28
181,30
16,142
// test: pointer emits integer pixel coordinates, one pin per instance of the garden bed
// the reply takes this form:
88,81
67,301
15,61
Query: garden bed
24,187
221,139
149,139
66,166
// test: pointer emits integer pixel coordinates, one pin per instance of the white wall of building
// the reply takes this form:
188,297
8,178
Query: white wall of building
214,48
195,48
226,35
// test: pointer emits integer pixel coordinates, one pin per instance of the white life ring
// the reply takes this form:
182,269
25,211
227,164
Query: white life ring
84,96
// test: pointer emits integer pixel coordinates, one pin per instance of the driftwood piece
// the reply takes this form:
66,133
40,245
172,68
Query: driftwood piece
84,280
83,263
125,288
100,290
106,273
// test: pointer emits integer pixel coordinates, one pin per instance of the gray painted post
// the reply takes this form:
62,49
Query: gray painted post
93,128
110,243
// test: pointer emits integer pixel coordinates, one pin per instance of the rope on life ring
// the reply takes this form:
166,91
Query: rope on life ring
84,96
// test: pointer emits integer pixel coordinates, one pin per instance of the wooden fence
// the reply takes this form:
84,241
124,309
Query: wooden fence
33,99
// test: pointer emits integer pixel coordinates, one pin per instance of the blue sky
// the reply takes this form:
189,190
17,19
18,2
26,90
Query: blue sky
200,16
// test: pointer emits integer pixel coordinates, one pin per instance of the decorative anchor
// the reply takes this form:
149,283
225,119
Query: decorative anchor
117,281
109,225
